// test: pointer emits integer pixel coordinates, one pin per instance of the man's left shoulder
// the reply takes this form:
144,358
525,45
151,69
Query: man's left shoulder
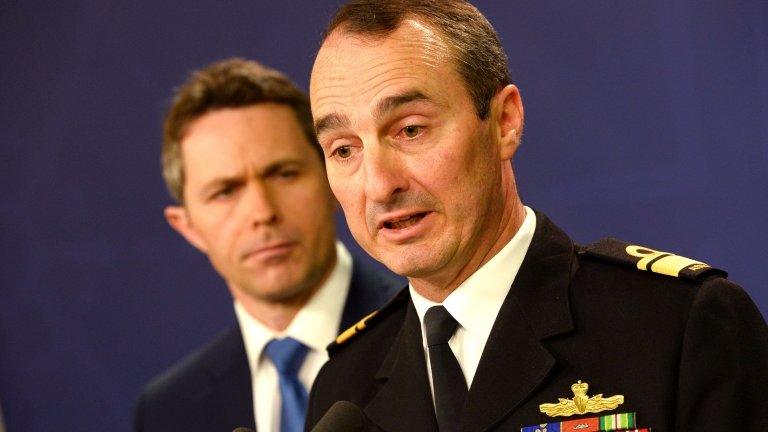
646,259
643,277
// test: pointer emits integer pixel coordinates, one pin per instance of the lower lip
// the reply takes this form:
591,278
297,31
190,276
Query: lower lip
409,233
276,252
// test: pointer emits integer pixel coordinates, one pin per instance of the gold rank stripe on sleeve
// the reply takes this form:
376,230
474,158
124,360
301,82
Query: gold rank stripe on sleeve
647,259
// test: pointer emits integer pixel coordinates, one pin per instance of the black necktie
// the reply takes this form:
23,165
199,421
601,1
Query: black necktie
449,384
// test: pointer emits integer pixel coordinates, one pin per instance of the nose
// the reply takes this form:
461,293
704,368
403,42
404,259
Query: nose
259,204
384,173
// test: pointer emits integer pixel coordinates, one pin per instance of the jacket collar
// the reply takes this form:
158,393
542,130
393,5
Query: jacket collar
515,361
404,401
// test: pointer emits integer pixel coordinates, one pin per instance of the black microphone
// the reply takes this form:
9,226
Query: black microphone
343,416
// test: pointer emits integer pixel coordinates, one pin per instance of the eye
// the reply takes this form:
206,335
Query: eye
223,192
288,173
411,131
343,152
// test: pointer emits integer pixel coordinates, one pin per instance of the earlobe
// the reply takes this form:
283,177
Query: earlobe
510,119
178,218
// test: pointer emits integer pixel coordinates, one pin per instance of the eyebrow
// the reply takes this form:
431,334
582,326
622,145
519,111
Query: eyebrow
280,164
271,169
388,104
385,106
216,183
331,121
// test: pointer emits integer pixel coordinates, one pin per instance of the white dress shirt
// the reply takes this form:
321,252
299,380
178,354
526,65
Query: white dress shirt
477,301
316,325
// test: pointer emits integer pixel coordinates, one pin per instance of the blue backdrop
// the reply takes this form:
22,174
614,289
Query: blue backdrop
645,120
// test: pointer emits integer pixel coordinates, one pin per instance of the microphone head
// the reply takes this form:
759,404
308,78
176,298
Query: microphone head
343,416
243,429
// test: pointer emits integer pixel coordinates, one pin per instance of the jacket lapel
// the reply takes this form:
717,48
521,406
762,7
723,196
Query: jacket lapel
229,397
515,361
404,401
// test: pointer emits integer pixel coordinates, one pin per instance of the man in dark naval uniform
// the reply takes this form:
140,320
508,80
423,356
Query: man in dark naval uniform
505,323
241,159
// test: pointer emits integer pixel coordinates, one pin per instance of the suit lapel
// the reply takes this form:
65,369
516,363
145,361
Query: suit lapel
404,401
515,361
230,397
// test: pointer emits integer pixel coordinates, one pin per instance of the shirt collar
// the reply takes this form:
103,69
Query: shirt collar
477,301
315,325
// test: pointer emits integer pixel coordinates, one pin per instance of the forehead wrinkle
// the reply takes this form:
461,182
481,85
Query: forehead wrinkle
390,103
350,71
427,47
334,94
361,76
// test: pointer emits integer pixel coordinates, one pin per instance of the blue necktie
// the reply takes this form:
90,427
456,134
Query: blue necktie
287,355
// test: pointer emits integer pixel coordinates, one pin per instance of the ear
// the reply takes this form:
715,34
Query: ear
507,113
178,218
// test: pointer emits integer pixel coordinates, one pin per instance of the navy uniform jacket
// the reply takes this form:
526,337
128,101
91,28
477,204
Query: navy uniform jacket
688,354
210,390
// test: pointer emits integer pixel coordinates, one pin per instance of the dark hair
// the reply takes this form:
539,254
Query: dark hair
480,59
231,83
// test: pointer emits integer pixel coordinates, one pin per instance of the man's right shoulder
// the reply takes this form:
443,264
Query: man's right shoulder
373,326
356,358
192,370
185,383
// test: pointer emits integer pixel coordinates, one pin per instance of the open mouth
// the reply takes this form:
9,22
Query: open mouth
405,221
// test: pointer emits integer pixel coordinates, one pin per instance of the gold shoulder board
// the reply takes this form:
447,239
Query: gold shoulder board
648,259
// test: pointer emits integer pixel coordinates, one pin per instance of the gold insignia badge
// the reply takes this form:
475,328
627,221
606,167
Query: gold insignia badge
581,403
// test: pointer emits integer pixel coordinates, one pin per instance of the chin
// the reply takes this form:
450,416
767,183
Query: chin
287,285
409,265
281,294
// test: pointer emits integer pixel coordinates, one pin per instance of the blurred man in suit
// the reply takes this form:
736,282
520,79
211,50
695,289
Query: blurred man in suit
241,160
419,120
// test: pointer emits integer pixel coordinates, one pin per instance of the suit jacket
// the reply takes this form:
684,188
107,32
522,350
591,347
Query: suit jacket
688,355
210,390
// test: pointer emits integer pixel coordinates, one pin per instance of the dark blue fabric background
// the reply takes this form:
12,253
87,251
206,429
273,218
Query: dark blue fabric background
645,120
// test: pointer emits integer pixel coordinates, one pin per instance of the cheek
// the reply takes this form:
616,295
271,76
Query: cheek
222,245
226,233
349,195
352,202
216,224
307,206
341,185
439,173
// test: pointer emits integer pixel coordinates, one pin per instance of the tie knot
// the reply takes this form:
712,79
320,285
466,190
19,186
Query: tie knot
287,354
440,325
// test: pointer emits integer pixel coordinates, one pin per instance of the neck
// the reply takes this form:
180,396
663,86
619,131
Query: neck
277,315
438,287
